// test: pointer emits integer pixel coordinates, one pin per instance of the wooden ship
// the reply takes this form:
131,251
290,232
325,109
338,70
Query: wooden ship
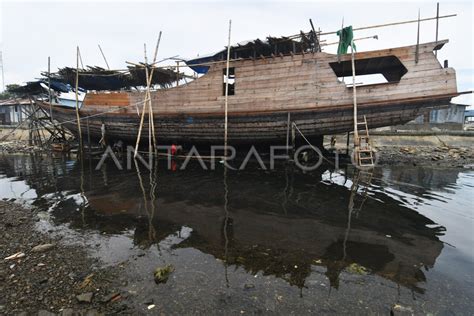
271,85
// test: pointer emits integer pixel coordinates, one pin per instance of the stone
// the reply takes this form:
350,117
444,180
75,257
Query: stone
249,286
85,297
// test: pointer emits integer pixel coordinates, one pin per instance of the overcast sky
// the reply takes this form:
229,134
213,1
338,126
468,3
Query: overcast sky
32,31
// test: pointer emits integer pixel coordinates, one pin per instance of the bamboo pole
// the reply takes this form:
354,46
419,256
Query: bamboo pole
80,57
105,59
354,97
437,23
77,99
391,24
3,74
356,39
147,94
49,90
147,99
288,133
227,90
417,39
177,73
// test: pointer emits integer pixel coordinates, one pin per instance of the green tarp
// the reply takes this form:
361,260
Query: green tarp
345,38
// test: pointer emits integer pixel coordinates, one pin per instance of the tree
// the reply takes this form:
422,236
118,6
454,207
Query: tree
9,92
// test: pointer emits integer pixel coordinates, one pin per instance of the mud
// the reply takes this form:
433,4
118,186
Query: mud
51,280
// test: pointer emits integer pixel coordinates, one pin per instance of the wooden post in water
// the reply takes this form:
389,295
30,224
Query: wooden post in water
347,143
77,100
288,134
227,90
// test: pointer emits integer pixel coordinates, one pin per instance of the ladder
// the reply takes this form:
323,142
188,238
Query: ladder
364,153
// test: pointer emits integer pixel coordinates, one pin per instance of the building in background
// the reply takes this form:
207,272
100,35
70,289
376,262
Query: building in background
13,111
450,118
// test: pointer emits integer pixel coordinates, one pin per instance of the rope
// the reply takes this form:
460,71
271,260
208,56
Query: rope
307,141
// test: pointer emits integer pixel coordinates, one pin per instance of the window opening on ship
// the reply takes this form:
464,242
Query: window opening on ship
231,80
369,71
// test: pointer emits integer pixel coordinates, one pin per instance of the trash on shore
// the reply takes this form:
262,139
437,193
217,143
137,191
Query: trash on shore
17,255
87,281
161,274
402,309
42,248
355,268
111,297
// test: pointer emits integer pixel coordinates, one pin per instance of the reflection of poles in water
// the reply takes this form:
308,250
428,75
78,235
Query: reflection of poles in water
153,186
226,222
83,197
360,177
104,174
349,217
285,192
149,214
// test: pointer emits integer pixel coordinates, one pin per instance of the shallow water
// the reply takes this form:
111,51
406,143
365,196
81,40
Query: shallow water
263,241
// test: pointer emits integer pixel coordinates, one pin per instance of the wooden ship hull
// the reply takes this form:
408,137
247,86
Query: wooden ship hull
270,93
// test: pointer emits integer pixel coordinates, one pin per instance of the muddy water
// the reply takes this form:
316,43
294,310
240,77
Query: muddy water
258,241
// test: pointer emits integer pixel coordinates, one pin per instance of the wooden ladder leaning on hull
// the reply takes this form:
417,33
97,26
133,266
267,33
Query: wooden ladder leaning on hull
364,153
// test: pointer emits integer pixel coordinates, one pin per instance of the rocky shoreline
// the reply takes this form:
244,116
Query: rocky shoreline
40,274
462,157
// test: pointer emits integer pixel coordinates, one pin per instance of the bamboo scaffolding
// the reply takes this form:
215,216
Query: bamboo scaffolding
147,100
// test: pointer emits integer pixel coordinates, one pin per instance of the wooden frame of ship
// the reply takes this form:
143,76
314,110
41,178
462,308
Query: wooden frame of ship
271,85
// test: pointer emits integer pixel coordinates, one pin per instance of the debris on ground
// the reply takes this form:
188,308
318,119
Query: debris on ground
15,256
46,280
355,268
42,248
162,274
85,297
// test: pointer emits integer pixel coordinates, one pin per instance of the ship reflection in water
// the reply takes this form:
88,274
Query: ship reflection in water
281,223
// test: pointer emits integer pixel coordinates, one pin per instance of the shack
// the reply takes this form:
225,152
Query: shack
449,118
12,111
